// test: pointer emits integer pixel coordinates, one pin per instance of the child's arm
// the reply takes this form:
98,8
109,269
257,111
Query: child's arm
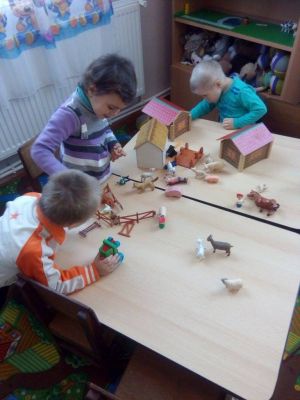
61,125
46,271
252,102
201,109
113,145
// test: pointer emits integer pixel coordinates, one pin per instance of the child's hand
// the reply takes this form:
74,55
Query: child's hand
106,265
228,123
117,152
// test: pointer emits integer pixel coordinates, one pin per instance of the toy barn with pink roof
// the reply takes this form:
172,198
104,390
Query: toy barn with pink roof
246,146
173,117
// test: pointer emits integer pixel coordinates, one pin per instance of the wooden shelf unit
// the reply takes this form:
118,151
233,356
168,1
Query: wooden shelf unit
264,11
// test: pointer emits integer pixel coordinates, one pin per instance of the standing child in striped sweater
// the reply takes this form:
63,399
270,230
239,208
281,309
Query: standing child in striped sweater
79,127
34,224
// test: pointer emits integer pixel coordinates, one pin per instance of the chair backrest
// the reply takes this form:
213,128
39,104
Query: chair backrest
32,170
71,322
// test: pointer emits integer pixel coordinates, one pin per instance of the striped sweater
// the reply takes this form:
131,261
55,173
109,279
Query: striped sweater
85,141
28,243
239,102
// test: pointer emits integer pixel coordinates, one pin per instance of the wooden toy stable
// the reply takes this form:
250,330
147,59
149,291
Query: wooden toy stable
283,116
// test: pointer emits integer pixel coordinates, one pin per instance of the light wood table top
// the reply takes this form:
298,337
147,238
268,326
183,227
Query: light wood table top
165,298
280,172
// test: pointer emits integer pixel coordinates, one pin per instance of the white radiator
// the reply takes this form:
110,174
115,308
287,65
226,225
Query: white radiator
26,117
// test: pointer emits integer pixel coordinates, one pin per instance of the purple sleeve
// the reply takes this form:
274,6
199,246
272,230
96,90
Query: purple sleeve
61,125
110,139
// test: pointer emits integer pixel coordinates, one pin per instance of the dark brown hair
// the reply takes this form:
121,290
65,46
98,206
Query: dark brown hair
111,73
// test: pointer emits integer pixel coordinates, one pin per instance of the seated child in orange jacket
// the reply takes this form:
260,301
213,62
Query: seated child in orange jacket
32,226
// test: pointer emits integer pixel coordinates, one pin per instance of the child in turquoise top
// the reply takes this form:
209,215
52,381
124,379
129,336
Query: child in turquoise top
237,102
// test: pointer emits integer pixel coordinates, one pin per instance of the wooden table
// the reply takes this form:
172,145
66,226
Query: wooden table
280,172
165,298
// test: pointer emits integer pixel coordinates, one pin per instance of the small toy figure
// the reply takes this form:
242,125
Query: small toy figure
171,168
211,178
215,166
162,212
186,7
106,209
219,245
233,285
174,180
123,180
287,26
173,191
171,152
142,186
263,203
207,158
240,200
199,173
200,249
109,198
110,247
146,175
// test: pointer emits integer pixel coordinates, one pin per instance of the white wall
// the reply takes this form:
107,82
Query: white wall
156,35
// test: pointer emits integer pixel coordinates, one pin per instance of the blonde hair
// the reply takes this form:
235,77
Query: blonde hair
70,197
205,74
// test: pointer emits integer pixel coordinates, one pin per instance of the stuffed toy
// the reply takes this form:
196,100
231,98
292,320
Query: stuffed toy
192,44
279,64
263,81
220,47
248,73
276,85
195,59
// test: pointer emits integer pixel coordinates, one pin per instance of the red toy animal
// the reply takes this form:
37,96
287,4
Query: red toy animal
263,203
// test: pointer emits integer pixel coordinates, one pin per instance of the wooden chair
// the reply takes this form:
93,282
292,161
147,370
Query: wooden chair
73,325
30,167
97,393
150,376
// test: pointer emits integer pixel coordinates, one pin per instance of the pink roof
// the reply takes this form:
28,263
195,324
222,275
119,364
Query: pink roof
164,111
250,139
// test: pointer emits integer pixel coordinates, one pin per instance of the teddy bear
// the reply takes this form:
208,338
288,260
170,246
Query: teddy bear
27,26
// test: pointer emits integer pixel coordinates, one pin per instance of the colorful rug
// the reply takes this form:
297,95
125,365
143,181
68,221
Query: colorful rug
30,365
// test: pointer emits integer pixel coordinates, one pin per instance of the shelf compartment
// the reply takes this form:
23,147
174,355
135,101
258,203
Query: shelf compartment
187,70
255,31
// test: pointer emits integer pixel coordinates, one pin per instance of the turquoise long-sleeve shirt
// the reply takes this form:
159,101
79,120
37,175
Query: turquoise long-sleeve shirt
239,102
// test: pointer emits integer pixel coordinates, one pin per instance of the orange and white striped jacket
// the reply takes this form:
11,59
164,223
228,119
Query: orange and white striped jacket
28,242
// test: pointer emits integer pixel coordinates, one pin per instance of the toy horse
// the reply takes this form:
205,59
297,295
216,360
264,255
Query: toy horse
263,203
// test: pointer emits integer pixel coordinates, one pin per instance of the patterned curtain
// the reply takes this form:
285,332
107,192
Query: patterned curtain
26,24
49,44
